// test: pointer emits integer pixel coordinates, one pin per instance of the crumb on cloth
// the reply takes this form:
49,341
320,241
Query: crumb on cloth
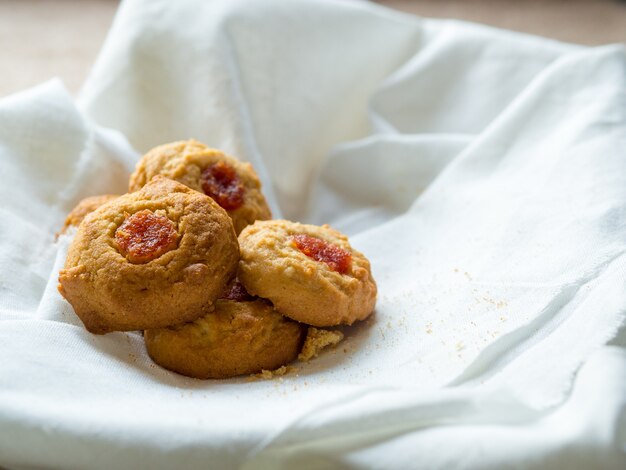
270,374
316,340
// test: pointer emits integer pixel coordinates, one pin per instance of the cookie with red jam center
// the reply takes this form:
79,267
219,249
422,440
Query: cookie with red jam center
310,273
233,184
150,259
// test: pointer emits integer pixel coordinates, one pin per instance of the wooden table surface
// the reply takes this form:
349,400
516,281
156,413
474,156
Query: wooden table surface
40,39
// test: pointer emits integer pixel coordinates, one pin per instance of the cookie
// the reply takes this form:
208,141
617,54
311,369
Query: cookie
233,184
311,274
239,337
150,259
84,207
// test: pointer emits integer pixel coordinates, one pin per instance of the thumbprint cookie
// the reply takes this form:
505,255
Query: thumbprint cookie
311,274
149,259
234,185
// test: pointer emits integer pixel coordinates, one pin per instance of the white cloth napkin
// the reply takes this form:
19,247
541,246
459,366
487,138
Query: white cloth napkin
483,172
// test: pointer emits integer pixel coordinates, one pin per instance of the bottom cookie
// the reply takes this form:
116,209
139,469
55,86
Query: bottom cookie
239,337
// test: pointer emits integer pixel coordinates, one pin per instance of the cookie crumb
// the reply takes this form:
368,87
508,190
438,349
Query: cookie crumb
270,374
316,340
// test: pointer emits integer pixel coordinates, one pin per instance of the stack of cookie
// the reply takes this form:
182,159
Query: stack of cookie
190,256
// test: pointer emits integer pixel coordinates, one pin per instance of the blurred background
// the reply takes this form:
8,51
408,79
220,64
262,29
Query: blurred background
40,39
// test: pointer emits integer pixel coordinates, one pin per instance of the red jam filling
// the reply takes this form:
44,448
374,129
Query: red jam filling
336,258
221,182
145,236
237,292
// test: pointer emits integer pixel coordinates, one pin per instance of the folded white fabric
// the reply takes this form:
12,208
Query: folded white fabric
481,171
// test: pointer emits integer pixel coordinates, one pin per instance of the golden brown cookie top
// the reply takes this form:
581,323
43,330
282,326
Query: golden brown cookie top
149,259
310,273
191,217
233,184
310,248
84,207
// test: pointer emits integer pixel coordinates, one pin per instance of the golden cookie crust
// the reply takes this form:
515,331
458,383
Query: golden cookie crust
109,293
300,287
84,207
236,338
184,162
